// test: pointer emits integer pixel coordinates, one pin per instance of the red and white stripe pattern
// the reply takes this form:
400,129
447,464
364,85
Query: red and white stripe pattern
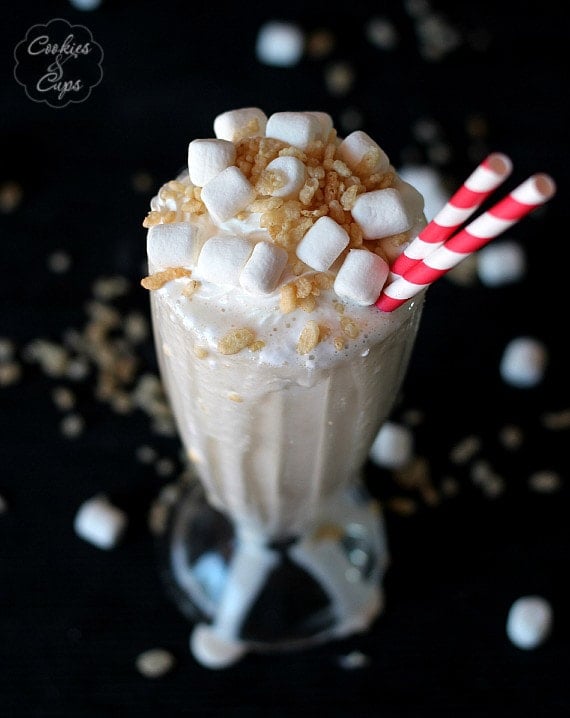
473,192
532,193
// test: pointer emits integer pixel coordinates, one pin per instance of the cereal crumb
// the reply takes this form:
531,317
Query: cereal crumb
72,426
10,373
145,454
59,262
158,280
402,505
63,398
320,43
349,327
234,396
339,78
511,437
354,659
309,337
164,467
465,450
236,340
545,482
257,345
556,420
11,194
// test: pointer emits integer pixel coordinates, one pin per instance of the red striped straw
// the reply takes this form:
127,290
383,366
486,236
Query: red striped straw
532,193
470,196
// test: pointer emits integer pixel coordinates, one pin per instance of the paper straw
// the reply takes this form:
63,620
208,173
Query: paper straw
473,192
532,193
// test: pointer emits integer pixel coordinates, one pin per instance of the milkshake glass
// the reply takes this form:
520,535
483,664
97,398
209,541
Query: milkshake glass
273,542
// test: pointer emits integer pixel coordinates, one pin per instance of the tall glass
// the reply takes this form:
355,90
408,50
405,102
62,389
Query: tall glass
274,542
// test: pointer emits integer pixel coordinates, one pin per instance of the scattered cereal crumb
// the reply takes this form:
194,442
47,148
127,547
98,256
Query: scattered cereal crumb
236,340
11,194
381,33
354,659
155,662
465,450
234,396
10,373
483,476
7,349
349,327
190,288
449,486
164,467
145,454
320,43
556,420
72,426
200,352
158,280
545,482
142,182
63,398
339,78
402,505
529,621
257,345
108,288
136,327
511,437
59,262
416,475
279,44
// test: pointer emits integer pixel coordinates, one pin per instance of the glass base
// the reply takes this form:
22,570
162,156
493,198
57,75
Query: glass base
246,593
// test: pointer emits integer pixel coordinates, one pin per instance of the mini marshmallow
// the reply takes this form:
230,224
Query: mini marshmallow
207,158
263,269
358,147
237,124
280,44
222,259
325,121
292,171
501,263
413,200
171,245
295,128
523,362
529,621
227,194
393,446
99,522
361,277
381,213
322,244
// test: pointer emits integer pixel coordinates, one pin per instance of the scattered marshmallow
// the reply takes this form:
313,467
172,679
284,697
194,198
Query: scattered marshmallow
227,194
501,263
99,522
428,183
280,44
361,277
523,362
207,158
293,173
222,259
393,446
237,124
358,148
322,244
529,621
171,245
262,270
155,662
295,128
381,213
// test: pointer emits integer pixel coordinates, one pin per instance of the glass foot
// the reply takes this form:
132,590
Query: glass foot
244,592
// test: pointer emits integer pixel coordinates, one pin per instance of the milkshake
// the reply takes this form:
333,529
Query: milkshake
265,259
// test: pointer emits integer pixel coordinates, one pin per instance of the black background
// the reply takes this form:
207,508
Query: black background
73,618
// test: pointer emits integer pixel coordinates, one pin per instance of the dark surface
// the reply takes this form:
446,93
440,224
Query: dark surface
73,618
